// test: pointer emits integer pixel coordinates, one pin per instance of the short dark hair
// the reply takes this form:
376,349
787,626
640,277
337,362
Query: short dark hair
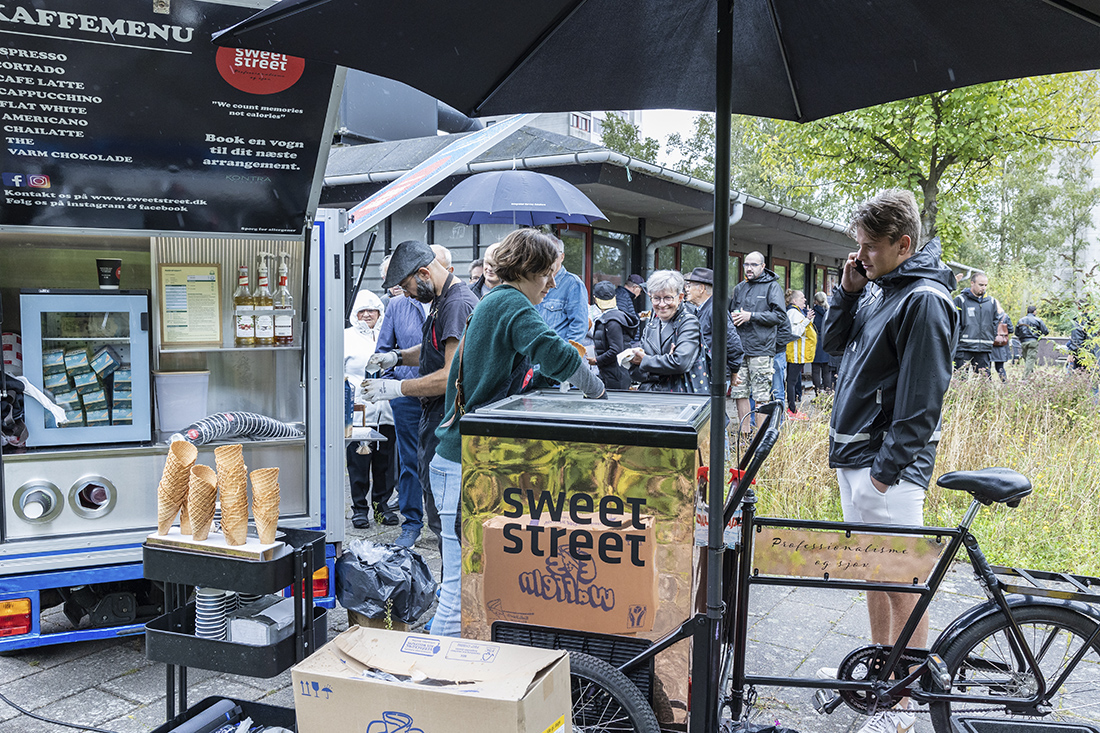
524,253
1031,309
890,215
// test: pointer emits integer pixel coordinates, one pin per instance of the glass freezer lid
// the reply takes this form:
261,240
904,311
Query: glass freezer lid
639,408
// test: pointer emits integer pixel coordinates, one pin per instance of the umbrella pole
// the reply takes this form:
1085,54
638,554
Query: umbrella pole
704,716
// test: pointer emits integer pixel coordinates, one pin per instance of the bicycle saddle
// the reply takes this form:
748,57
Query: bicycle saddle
988,485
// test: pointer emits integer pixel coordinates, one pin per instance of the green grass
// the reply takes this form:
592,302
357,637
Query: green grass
1047,429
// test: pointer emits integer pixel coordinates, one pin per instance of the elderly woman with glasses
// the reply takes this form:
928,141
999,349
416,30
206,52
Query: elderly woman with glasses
671,340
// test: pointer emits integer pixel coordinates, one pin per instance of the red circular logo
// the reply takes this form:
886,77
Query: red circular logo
259,72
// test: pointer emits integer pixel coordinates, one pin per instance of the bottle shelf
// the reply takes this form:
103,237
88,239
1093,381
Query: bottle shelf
184,349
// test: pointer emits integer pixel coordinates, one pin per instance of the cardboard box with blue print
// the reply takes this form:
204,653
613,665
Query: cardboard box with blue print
376,681
579,571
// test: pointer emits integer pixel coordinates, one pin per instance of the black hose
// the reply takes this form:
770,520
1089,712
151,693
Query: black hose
44,719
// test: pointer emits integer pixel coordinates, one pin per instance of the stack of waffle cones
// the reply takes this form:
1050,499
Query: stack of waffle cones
173,487
265,502
202,489
233,484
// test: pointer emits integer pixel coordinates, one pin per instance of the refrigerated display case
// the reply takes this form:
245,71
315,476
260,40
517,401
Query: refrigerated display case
89,352
578,516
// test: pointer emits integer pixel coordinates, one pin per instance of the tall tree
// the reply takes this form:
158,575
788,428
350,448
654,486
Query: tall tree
942,146
750,170
622,136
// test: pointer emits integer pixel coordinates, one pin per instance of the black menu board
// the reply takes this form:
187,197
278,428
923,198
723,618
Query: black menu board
117,116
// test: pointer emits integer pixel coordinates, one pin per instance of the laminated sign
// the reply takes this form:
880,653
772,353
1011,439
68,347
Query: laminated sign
585,570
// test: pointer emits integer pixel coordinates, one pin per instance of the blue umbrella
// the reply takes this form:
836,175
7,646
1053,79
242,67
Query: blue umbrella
523,198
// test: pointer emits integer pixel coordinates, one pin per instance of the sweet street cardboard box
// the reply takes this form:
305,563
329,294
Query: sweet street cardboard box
575,572
381,681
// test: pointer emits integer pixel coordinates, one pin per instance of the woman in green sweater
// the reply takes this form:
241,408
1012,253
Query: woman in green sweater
504,334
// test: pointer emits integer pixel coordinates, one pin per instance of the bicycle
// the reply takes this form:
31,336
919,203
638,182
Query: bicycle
1027,651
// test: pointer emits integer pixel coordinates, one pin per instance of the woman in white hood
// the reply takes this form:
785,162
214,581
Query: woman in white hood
360,340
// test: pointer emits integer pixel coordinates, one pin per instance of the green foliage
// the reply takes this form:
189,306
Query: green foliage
1047,428
624,137
944,147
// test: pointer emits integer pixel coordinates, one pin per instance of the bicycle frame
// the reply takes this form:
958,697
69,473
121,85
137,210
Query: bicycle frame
739,576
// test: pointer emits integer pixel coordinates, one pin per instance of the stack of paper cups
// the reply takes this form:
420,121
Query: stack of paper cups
210,618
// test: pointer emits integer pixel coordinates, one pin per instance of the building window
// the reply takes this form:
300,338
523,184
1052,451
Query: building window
580,122
610,256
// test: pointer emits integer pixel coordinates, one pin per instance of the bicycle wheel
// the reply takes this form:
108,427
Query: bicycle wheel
982,663
604,699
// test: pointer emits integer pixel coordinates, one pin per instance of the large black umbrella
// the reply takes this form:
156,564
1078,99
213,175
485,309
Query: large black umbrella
787,59
792,59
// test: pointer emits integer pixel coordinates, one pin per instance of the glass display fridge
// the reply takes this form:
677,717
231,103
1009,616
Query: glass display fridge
580,515
89,352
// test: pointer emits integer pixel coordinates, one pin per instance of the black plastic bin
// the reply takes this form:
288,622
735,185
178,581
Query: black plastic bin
260,714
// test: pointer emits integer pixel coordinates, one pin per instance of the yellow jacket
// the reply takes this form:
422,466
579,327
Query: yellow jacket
802,349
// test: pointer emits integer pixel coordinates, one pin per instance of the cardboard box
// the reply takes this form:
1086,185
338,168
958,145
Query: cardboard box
86,382
535,572
105,361
375,680
76,361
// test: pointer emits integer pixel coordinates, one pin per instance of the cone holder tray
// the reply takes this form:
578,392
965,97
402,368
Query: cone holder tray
178,565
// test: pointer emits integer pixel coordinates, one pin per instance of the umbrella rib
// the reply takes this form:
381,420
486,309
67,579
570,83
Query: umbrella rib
254,23
1075,10
539,42
786,59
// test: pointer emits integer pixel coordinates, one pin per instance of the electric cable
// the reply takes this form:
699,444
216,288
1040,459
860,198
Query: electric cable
44,719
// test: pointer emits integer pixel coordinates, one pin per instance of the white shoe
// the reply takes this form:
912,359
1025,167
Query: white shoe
827,673
890,721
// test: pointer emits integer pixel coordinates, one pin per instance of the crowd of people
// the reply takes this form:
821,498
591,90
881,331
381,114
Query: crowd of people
887,341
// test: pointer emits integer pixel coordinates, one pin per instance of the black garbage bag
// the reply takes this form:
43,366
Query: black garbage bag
370,578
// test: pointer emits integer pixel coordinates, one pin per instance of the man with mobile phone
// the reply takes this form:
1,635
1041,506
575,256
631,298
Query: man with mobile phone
896,327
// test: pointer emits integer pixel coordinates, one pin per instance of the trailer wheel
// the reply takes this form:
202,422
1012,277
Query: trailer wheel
604,699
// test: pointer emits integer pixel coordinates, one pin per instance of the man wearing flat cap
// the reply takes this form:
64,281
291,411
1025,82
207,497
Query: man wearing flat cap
700,287
415,268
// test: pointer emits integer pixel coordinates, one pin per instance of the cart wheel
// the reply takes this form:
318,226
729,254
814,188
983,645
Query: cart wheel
604,699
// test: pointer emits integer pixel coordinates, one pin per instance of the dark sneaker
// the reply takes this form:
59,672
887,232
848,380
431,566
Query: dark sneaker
407,537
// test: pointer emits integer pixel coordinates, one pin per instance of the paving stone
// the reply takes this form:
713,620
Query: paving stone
839,600
795,625
90,707
13,667
63,680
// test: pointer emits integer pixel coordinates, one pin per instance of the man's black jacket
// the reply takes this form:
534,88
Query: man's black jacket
897,338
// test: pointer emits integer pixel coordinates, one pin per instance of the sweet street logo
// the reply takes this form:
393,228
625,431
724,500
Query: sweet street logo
567,580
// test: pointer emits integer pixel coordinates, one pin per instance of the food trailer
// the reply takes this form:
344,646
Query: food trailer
178,174
579,525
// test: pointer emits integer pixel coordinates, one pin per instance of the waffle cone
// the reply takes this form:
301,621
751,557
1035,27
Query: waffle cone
233,485
172,489
265,502
201,492
185,515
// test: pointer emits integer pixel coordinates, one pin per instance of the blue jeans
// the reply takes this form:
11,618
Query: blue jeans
446,479
410,500
779,377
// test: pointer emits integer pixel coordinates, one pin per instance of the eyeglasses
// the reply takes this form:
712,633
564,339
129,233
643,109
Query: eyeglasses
665,298
754,264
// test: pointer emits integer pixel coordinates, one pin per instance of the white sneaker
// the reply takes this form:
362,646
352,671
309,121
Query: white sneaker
827,673
890,721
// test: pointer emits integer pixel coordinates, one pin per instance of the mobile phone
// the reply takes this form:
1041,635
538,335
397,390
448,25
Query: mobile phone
860,268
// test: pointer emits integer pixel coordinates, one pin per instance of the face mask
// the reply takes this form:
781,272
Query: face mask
362,327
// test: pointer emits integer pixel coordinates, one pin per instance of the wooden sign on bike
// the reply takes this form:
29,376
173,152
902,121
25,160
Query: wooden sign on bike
814,553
